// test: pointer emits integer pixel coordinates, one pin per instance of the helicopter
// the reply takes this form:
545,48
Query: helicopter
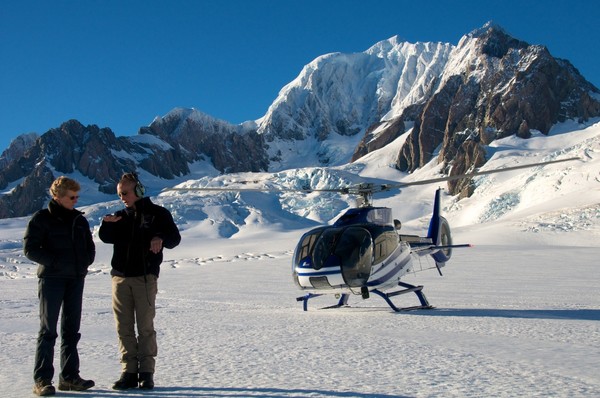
363,251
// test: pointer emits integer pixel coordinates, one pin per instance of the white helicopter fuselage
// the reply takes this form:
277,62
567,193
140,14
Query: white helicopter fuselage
363,252
383,275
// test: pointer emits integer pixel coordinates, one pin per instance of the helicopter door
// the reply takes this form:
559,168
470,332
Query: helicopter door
355,249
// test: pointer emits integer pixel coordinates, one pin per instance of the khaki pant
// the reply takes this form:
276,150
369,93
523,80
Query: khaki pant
133,300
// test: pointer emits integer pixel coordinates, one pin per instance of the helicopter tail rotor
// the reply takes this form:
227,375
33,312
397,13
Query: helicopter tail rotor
440,235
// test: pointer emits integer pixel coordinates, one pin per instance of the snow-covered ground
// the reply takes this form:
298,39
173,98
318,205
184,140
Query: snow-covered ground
516,315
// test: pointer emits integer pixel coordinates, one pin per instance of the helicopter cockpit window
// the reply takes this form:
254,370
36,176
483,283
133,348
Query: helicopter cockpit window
306,244
385,244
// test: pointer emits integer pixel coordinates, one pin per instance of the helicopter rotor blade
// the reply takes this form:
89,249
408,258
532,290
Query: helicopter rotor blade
244,189
477,173
366,189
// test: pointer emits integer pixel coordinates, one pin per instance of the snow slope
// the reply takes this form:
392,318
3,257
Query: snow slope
516,315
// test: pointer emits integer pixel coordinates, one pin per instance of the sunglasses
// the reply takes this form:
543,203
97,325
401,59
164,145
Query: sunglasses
73,197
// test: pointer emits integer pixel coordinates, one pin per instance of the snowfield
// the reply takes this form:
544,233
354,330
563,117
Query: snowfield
516,315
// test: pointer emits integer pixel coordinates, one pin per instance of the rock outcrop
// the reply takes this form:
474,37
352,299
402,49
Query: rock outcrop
494,86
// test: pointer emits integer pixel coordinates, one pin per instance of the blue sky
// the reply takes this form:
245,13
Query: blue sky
119,63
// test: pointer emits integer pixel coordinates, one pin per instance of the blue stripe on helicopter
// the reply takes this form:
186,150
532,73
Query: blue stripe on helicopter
391,272
322,273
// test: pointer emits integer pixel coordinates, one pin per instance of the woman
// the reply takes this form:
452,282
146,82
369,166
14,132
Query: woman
59,239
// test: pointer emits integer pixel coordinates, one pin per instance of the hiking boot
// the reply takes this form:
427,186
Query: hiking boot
75,384
146,381
127,380
43,388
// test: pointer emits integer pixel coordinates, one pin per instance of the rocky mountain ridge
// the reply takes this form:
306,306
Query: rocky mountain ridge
505,87
454,100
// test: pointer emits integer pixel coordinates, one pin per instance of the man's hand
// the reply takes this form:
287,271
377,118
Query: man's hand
156,245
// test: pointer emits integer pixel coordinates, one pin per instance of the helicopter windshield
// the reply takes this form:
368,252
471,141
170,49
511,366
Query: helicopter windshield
350,249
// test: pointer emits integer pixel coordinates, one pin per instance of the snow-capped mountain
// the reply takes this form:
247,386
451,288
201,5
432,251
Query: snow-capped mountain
494,86
454,100
338,96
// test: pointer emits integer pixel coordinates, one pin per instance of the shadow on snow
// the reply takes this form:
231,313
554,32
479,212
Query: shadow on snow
572,314
238,392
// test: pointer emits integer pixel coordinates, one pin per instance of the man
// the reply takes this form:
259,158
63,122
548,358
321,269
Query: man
138,234
59,239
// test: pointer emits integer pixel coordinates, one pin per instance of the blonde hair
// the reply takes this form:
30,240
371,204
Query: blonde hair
61,185
129,178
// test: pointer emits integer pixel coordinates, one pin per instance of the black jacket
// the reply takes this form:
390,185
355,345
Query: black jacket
131,237
60,241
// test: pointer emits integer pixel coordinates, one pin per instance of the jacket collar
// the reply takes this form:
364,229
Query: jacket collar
61,212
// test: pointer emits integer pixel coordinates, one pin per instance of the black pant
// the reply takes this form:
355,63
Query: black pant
54,293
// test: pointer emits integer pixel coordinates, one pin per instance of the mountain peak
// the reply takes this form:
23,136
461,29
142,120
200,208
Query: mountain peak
491,39
391,42
181,113
486,29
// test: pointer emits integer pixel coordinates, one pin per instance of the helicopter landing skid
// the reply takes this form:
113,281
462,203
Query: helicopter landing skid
418,290
386,296
343,300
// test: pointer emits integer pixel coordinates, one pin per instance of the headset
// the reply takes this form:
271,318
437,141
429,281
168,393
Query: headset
139,189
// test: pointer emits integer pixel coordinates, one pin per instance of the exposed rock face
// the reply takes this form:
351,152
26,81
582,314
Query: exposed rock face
29,196
231,148
493,87
378,136
102,157
94,152
17,149
16,162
